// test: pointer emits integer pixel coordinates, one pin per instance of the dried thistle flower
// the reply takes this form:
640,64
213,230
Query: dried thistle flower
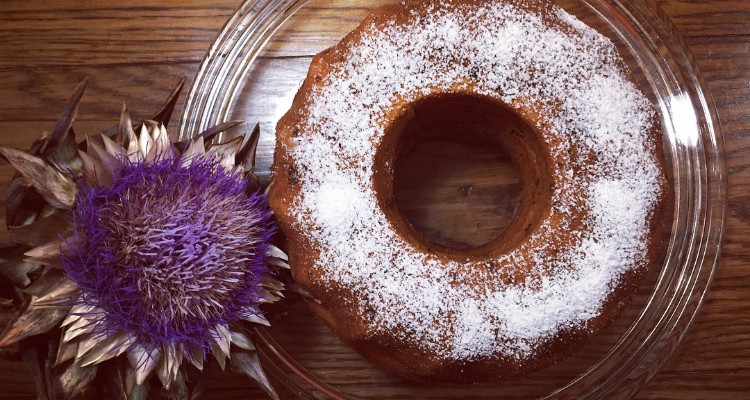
139,247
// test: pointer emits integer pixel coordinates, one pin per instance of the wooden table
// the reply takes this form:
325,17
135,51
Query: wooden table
136,50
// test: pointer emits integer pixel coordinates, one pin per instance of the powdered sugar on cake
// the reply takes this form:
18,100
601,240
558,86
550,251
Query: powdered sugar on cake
575,79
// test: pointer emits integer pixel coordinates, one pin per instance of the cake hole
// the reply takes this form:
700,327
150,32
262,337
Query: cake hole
457,194
462,174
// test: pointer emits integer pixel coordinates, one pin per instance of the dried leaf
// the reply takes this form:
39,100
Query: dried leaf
16,211
22,201
178,390
64,123
209,134
246,155
170,365
128,139
72,380
165,113
278,263
248,363
121,378
65,156
13,268
34,356
30,322
56,188
44,230
196,382
77,313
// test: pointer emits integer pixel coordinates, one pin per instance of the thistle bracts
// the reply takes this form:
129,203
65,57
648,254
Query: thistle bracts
137,256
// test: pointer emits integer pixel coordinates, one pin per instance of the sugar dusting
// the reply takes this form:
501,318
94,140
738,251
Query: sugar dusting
573,77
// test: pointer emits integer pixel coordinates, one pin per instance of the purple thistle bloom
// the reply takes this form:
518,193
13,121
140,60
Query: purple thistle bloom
170,251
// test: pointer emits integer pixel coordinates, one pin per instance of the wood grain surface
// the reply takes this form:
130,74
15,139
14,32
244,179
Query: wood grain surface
135,50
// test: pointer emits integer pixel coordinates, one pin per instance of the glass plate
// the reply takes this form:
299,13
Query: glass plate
260,59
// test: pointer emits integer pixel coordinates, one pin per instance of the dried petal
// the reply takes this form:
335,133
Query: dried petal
165,371
113,148
60,296
225,153
240,339
45,282
266,296
254,315
224,338
122,379
81,326
146,144
86,342
30,322
109,164
161,142
273,284
73,379
274,251
113,346
248,363
196,148
46,254
143,361
90,166
66,351
219,355
54,187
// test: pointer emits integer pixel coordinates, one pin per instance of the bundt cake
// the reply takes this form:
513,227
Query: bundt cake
523,74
